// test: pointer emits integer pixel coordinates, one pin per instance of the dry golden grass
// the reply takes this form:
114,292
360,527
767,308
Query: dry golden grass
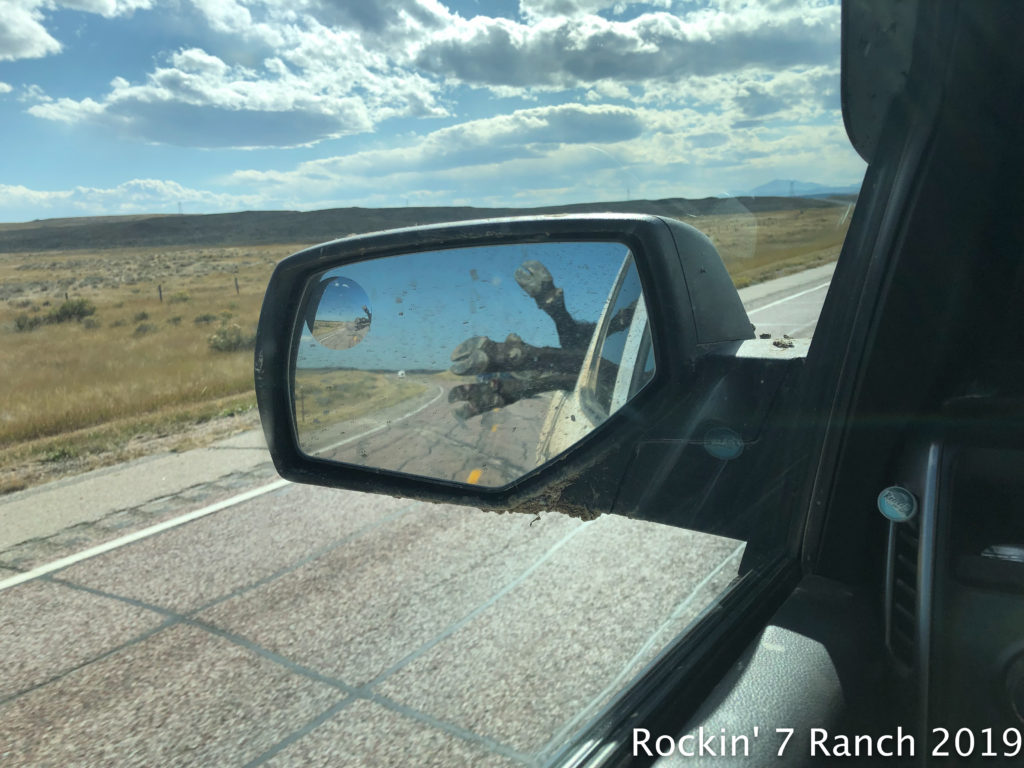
172,429
444,378
759,247
139,363
143,367
338,395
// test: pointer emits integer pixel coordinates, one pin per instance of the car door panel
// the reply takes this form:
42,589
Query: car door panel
716,464
801,678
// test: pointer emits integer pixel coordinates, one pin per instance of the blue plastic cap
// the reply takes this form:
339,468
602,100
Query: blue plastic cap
898,504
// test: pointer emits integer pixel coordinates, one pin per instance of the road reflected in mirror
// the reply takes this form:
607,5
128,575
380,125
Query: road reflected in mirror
340,314
475,365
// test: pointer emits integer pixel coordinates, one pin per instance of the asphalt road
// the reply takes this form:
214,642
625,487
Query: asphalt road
195,610
421,435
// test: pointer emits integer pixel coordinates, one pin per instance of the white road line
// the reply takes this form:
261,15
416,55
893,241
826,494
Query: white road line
130,538
100,549
789,298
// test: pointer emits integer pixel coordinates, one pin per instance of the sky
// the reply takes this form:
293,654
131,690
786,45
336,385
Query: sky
208,106
450,296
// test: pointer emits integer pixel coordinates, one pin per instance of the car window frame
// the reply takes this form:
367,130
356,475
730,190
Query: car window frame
674,685
631,378
590,401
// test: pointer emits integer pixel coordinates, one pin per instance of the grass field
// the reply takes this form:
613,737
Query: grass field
760,247
329,396
137,364
154,357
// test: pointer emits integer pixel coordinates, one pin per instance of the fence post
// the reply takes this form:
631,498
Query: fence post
236,286
160,291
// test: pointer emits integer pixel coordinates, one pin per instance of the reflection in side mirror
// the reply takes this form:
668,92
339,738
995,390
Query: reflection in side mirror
339,313
482,363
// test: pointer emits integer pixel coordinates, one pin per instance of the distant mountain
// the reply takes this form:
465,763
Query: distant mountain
793,188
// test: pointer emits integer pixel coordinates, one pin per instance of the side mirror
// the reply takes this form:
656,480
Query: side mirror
501,363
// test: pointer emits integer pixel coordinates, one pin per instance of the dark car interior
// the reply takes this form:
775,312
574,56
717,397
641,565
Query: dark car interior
914,627
938,403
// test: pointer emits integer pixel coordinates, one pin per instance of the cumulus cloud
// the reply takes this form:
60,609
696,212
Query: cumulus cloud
321,69
540,9
201,100
571,152
153,194
5,87
573,52
650,99
23,34
814,90
527,133
106,8
15,196
302,82
378,18
134,196
513,160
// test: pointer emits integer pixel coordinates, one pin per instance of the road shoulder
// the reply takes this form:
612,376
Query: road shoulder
41,512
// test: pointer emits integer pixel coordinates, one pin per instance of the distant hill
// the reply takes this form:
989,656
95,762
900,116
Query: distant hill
296,227
793,188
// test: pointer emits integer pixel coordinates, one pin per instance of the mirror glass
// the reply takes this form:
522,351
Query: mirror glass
339,312
475,365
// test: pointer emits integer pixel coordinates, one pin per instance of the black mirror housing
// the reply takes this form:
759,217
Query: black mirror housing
693,309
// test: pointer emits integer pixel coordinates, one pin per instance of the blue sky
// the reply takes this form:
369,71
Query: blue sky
450,296
139,106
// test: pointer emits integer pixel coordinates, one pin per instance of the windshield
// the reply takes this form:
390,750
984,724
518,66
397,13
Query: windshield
167,600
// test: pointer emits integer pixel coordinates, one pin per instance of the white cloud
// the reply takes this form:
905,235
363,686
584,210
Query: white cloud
225,15
16,196
548,155
533,157
201,100
155,194
652,104
33,94
564,52
5,88
134,196
608,89
814,90
303,82
540,9
320,69
379,18
106,8
23,34
490,141
65,110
